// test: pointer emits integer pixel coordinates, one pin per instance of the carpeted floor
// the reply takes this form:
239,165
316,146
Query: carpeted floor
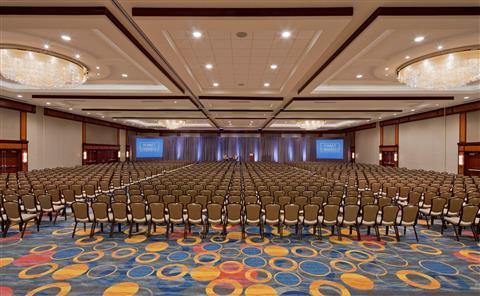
52,263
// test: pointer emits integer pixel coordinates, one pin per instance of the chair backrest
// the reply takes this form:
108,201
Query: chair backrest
168,199
194,211
157,210
272,212
175,210
136,198
202,200
234,199
80,210
29,202
184,199
12,210
68,195
214,211
438,204
100,210
253,212
265,200
234,211
351,200
139,210
384,201
11,197
330,212
250,199
350,212
409,214
120,198
104,198
455,205
474,201
119,210
334,200
301,201
414,198
369,213
389,213
153,198
291,212
45,201
310,212
469,213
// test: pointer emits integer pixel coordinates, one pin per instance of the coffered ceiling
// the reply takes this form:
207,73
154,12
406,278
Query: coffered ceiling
241,65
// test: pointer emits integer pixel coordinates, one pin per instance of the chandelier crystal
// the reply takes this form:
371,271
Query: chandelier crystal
39,68
172,123
445,70
311,124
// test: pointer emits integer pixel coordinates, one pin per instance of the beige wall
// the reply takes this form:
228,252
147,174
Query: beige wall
430,144
53,142
366,145
473,126
98,134
9,124
389,135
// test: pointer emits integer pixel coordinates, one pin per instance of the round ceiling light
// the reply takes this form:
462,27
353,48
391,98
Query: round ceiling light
442,70
39,68
241,34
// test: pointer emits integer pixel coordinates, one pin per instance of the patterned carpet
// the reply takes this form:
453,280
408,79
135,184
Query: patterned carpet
52,263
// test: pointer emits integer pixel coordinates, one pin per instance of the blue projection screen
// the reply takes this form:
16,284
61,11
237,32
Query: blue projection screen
329,149
149,148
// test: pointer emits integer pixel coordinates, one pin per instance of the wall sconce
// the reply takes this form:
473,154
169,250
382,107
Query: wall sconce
395,156
24,157
84,155
380,156
119,154
460,159
127,154
353,155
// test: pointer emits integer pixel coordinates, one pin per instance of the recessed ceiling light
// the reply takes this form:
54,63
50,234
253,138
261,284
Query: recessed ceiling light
394,114
19,96
419,39
88,113
174,102
197,34
266,84
440,47
359,76
215,84
466,98
436,105
380,117
103,116
273,66
70,109
209,66
413,110
48,103
98,74
387,68
97,67
77,56
286,34
124,75
407,57
66,37
46,46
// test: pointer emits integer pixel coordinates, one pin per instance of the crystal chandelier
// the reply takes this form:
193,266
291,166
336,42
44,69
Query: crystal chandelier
443,70
39,68
311,124
172,123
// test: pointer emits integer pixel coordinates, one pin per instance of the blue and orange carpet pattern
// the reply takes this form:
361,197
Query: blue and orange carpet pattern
52,263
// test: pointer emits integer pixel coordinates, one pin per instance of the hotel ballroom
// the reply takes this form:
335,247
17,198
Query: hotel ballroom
239,147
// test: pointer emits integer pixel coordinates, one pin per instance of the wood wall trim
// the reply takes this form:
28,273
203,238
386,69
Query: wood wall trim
360,127
80,118
383,98
109,97
468,107
391,11
84,132
232,98
241,12
463,127
397,134
97,10
23,126
15,105
381,136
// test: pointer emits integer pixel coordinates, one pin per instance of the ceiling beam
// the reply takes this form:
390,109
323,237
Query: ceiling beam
109,97
241,12
6,102
232,98
382,98
342,110
138,110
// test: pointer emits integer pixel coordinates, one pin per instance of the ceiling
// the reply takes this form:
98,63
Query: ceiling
272,64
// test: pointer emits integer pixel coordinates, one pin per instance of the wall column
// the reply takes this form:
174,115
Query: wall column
23,139
462,139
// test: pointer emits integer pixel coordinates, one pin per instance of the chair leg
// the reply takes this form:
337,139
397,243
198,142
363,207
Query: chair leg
24,227
333,230
475,234
92,230
37,221
185,231
130,230
339,232
111,228
74,229
368,230
149,228
320,231
396,232
280,229
56,215
444,226
456,232
359,236
168,230
415,231
243,231
119,227
386,230
377,232
7,225
84,226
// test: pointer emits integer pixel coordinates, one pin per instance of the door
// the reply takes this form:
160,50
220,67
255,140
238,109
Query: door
472,163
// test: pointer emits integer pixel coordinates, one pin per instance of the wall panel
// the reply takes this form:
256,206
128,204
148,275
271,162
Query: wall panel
366,146
429,144
53,142
473,126
9,124
98,134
